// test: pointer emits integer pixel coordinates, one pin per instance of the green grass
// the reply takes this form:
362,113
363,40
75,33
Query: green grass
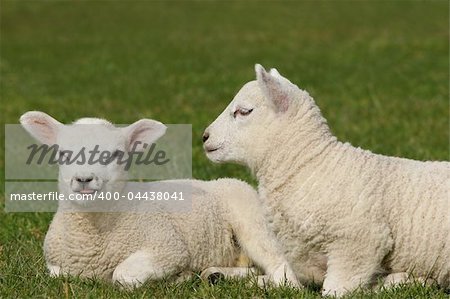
378,70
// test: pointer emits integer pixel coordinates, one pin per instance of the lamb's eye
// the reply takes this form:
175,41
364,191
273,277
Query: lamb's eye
242,111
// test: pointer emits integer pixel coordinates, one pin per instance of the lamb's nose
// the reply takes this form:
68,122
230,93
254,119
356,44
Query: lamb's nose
205,136
84,179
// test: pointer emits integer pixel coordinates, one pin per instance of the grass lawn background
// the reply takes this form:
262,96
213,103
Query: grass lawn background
378,70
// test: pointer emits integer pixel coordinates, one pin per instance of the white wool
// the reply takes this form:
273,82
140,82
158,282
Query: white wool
92,121
345,216
226,220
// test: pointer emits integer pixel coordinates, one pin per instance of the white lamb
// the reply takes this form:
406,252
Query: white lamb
344,215
133,247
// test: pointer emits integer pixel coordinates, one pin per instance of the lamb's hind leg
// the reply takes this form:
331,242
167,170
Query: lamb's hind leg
354,259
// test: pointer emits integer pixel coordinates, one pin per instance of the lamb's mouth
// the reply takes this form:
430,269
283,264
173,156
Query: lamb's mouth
86,191
210,150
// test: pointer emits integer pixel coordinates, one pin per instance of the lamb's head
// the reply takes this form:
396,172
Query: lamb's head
260,112
90,149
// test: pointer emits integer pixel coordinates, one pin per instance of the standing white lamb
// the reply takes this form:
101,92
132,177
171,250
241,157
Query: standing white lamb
344,215
226,219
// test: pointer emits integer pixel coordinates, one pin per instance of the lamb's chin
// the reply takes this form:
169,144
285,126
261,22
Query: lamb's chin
214,159
216,156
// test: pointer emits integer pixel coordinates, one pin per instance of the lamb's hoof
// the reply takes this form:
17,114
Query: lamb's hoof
54,271
215,274
394,279
212,275
184,276
337,293
285,276
126,282
263,281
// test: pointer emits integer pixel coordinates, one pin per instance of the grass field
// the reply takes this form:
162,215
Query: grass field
378,70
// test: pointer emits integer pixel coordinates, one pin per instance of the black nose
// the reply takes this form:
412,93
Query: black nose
205,136
85,179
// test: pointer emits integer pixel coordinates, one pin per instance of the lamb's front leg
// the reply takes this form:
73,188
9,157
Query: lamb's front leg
354,259
145,265
258,242
262,248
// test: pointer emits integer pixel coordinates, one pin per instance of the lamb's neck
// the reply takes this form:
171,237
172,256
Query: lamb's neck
298,160
301,145
76,217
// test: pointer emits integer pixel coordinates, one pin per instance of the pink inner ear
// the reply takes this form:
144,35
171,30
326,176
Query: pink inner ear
283,101
136,134
45,130
40,122
275,92
279,97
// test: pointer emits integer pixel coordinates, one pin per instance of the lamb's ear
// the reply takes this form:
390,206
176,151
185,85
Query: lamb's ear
274,72
144,131
41,126
273,87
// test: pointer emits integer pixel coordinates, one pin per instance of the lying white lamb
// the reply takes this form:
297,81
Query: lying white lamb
132,248
345,216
